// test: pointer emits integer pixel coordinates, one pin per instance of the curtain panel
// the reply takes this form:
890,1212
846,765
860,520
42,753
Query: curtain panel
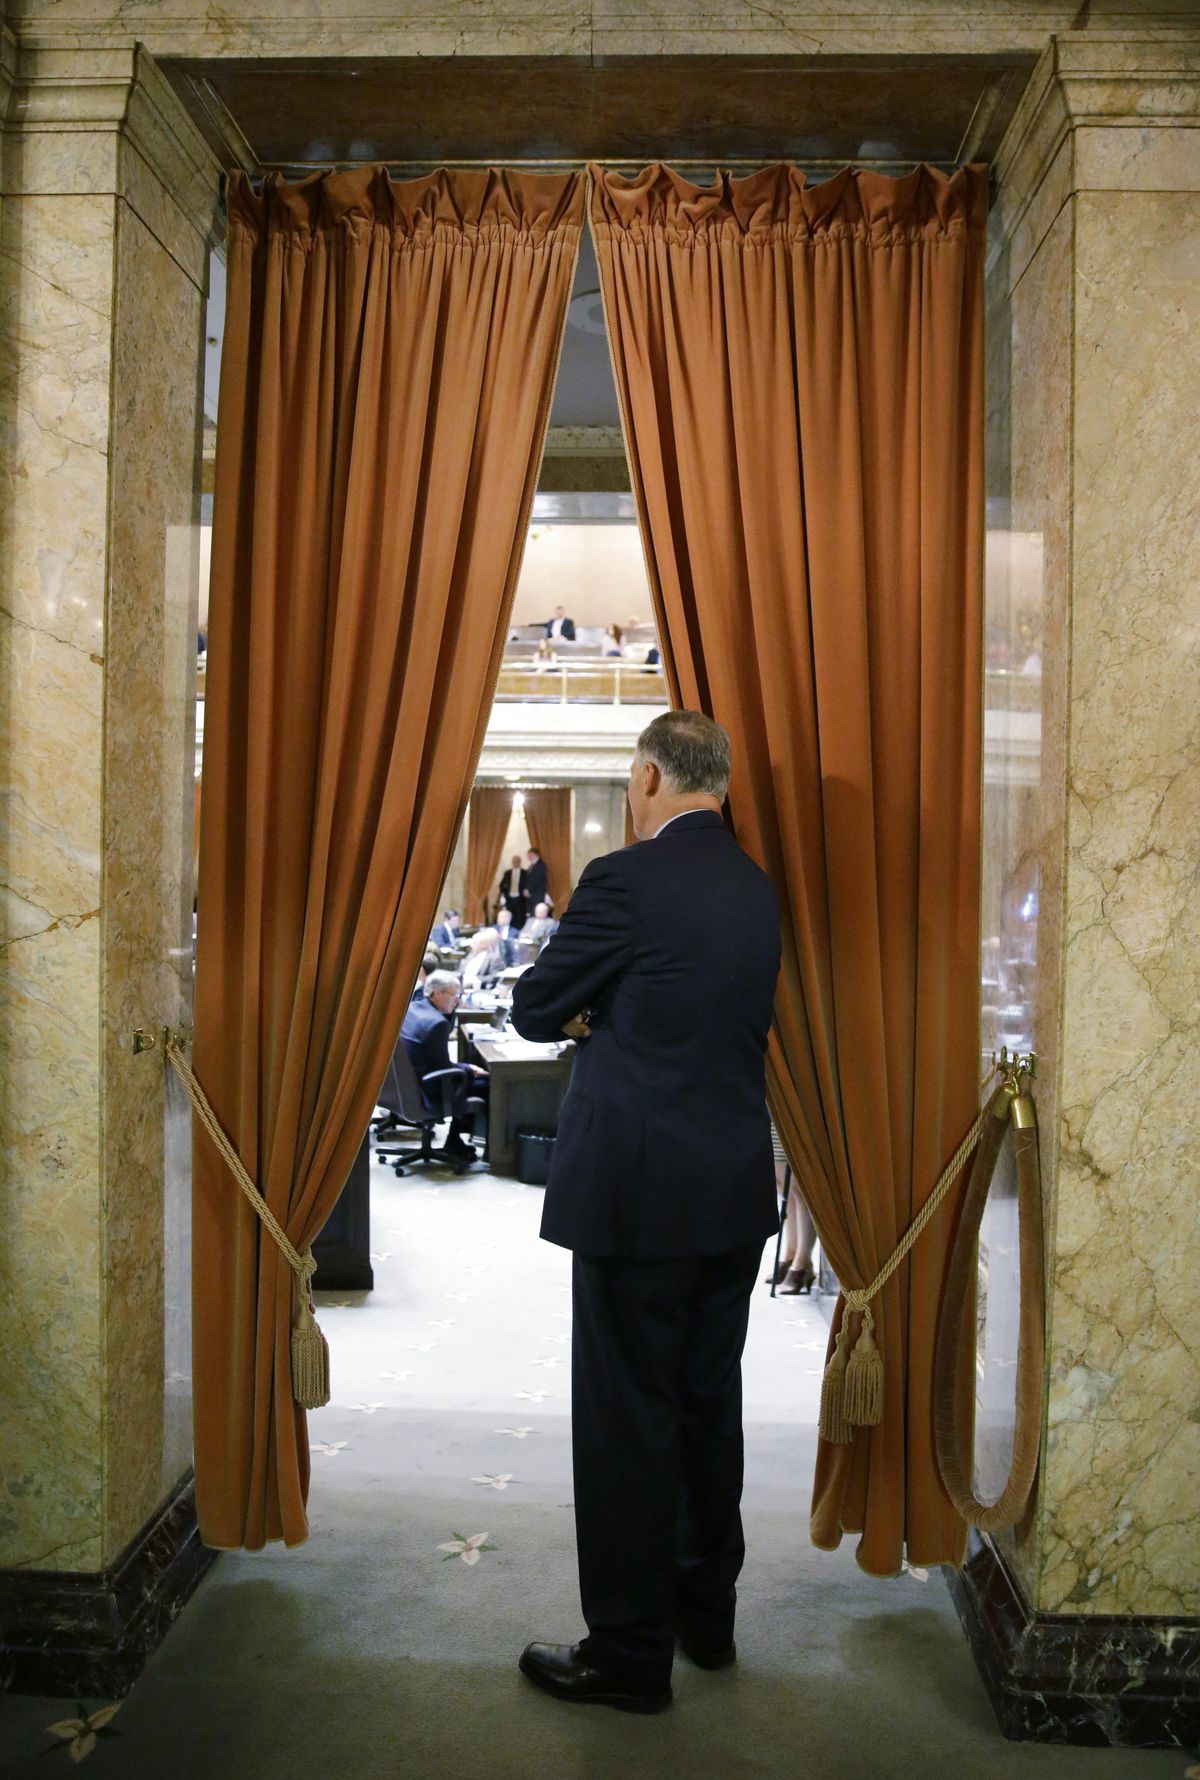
548,819
800,371
389,358
491,812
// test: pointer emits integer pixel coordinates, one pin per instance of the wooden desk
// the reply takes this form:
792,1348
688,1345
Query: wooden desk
528,1083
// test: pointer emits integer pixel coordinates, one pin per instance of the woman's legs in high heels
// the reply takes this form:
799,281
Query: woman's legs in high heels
799,1236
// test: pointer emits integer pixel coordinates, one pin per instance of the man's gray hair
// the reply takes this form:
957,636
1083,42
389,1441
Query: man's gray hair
689,750
441,979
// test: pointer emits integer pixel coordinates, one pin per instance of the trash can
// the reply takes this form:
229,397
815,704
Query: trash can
534,1150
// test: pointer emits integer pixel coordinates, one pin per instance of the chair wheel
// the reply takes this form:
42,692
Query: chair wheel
379,1156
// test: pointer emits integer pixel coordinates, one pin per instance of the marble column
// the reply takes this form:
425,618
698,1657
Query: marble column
1092,884
109,200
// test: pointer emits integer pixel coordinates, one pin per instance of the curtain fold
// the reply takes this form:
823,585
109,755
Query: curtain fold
801,381
491,812
388,364
548,819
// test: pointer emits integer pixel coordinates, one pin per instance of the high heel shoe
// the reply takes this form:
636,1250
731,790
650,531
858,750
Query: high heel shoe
779,1275
799,1280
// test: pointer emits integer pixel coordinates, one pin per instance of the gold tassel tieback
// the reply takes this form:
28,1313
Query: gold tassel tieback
832,1420
852,1388
310,1350
864,1379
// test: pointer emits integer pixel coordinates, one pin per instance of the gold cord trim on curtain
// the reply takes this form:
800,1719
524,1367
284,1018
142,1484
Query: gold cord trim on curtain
309,1348
852,1385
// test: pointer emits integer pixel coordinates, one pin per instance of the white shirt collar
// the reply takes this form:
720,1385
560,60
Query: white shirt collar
675,818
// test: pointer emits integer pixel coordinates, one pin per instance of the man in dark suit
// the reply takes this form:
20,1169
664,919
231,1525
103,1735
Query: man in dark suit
506,938
535,879
426,1035
446,932
512,893
560,626
663,1184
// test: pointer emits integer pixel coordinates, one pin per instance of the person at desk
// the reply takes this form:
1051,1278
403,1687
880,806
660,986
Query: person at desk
663,1184
512,892
535,879
429,963
484,959
541,925
506,938
426,1035
445,934
561,626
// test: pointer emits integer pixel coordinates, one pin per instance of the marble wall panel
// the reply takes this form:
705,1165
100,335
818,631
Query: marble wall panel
1120,1497
158,349
574,27
55,303
100,354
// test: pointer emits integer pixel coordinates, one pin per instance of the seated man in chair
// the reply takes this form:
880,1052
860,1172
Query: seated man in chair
426,1034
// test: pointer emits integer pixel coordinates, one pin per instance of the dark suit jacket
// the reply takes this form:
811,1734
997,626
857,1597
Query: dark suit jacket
512,896
426,1035
535,884
442,936
568,629
664,1141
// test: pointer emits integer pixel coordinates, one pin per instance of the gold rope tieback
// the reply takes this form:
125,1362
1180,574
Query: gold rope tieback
309,1348
852,1385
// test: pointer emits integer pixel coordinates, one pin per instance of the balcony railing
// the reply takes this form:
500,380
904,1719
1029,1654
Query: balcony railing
581,682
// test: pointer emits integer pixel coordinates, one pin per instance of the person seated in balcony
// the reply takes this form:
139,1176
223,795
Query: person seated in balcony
613,644
652,660
484,960
561,626
544,656
506,937
541,926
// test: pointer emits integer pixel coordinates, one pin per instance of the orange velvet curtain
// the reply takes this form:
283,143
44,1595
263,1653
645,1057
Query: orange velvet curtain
548,819
491,812
388,364
801,379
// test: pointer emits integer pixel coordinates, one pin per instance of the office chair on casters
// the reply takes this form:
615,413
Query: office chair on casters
406,1110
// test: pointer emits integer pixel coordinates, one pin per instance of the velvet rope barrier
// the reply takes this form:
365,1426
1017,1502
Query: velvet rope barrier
1012,1110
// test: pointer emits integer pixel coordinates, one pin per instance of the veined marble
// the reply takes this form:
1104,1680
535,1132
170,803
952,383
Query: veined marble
101,287
1123,1513
1100,346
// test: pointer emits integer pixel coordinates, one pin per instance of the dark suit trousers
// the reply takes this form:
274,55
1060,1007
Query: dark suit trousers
657,1435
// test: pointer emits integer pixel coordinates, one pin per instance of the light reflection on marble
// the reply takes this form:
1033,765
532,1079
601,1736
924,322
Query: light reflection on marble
151,631
1026,592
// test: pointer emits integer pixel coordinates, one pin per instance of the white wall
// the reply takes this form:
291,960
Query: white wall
596,571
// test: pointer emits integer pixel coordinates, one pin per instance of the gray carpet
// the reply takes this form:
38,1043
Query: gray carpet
366,1654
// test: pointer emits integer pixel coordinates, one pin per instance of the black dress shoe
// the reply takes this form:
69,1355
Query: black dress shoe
565,1671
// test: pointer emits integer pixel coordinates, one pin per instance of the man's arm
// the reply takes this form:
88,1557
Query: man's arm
593,943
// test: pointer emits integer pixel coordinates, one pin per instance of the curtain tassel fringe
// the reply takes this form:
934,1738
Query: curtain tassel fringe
832,1421
310,1358
863,1397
